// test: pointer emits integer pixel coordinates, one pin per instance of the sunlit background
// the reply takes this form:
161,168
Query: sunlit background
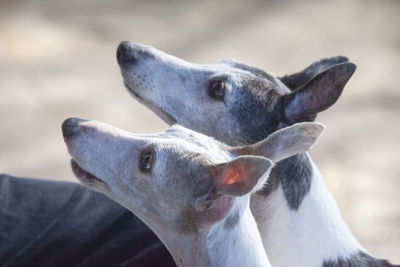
57,60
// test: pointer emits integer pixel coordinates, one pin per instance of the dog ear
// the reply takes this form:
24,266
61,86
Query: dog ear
228,180
241,175
318,94
286,142
297,80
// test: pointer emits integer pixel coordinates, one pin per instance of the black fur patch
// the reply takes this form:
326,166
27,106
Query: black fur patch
295,173
257,110
359,259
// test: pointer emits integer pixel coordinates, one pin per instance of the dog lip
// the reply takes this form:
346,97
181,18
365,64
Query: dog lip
161,113
83,175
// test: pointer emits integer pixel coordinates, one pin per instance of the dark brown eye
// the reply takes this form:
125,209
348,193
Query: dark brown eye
217,90
146,160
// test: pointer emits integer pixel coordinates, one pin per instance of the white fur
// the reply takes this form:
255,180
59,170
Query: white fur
314,233
242,244
239,246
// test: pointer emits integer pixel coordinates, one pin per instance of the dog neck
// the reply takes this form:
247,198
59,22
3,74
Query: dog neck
299,221
233,241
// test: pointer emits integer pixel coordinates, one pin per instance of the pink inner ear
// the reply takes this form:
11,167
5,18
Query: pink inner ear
231,177
227,176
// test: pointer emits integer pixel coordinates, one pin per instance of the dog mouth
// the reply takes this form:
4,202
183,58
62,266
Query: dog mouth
161,113
83,175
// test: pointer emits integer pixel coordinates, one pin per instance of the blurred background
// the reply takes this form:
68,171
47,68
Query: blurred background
57,59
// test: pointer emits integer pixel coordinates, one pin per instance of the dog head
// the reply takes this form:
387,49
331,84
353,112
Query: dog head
231,101
177,180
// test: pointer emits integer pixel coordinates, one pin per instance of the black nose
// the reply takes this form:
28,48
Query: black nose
69,127
126,53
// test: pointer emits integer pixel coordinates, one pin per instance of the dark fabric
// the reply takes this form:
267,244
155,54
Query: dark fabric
47,223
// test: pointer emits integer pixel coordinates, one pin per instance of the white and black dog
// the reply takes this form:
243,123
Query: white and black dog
299,221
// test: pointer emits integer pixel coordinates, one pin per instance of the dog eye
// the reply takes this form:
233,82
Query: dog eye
146,160
216,90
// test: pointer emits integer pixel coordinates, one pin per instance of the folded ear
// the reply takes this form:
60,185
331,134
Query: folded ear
318,94
297,80
241,175
286,142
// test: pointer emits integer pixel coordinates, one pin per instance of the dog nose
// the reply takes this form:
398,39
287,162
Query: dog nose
126,53
69,127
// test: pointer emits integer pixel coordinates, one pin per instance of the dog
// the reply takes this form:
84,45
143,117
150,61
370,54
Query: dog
239,105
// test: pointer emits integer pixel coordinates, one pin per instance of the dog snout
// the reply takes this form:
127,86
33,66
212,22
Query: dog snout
70,127
126,52
131,53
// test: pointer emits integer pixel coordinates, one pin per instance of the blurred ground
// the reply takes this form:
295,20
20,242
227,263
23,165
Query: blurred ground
57,59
